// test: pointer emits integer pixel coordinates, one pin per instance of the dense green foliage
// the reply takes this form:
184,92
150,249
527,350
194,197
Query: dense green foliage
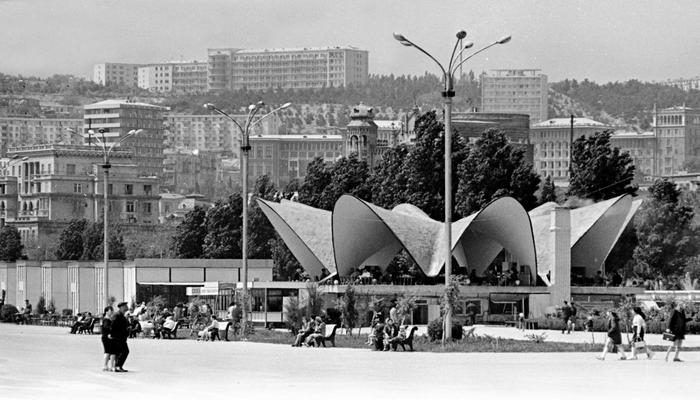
93,239
223,226
548,192
70,241
599,171
632,100
10,243
667,239
493,169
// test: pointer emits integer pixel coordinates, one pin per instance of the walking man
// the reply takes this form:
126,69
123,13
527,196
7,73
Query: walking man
120,332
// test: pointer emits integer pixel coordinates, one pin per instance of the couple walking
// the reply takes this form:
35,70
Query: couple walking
115,330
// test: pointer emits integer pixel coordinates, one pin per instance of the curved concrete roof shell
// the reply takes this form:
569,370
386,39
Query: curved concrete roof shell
305,230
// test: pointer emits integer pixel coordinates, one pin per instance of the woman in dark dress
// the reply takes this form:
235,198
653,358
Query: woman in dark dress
677,326
107,341
614,336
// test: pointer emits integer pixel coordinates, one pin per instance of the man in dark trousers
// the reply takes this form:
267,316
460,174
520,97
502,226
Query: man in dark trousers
565,316
120,332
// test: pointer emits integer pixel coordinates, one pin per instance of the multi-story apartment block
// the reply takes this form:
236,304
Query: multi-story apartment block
521,91
116,73
213,132
551,142
46,186
683,83
304,68
156,78
677,130
286,157
640,146
33,131
115,118
177,77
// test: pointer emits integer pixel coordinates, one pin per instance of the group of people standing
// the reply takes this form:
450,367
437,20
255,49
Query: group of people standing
675,333
115,331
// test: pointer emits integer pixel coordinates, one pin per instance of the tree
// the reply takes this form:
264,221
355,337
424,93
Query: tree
93,239
70,241
666,237
548,192
284,262
10,244
388,181
349,175
493,169
598,171
223,226
317,178
261,232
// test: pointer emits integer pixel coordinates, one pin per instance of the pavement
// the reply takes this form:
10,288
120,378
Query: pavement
39,362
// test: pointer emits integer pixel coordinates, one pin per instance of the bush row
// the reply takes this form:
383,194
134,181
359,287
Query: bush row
600,324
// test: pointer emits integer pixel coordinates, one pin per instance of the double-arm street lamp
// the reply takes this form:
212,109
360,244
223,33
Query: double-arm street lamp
244,130
106,153
448,93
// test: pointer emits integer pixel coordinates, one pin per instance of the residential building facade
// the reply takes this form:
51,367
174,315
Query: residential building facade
303,68
686,84
116,73
189,172
177,77
47,186
641,146
520,91
551,141
116,118
34,131
286,157
677,130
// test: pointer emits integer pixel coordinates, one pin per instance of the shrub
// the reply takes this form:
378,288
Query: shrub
66,312
7,312
435,330
51,308
292,315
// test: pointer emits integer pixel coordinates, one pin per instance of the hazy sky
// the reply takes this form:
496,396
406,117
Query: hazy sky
600,40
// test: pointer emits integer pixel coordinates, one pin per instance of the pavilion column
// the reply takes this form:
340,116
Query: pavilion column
560,227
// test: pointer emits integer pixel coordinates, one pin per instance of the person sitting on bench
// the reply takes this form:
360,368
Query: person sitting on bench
169,326
307,328
391,333
78,322
319,332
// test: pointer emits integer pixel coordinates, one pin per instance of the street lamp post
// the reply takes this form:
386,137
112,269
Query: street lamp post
106,165
448,93
244,130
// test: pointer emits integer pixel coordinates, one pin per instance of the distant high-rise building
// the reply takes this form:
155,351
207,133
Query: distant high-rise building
520,91
303,68
177,77
117,117
551,142
116,73
677,130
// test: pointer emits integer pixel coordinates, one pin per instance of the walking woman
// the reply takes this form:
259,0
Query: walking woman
107,341
639,326
676,325
614,336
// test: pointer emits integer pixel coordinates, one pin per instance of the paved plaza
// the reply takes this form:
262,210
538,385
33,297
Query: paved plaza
48,363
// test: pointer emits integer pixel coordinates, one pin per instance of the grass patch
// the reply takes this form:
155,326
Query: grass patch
480,344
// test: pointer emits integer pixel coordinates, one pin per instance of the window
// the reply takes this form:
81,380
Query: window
70,169
129,206
110,189
147,189
146,208
77,188
129,189
38,187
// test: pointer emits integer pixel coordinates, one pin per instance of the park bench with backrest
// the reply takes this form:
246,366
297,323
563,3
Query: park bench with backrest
329,335
408,340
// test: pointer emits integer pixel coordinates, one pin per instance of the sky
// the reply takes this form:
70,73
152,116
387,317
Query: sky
613,40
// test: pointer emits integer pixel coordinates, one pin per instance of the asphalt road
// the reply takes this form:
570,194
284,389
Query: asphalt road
48,363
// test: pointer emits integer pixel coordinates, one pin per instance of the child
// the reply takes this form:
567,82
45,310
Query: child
588,327
521,321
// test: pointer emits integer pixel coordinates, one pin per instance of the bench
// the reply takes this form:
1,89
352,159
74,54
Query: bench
408,341
88,328
511,323
329,335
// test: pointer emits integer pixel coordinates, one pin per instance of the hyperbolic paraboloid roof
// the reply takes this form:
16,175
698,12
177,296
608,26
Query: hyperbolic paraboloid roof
359,233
